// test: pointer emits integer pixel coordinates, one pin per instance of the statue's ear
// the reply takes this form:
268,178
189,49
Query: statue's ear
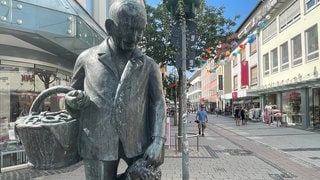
110,26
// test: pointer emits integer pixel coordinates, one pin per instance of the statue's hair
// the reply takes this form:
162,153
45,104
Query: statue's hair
127,10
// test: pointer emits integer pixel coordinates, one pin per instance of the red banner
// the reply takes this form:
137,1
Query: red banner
244,73
234,95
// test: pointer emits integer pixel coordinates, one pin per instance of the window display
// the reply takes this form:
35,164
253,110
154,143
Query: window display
20,83
315,110
292,107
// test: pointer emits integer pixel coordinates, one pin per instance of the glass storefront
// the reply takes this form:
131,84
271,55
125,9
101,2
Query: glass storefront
20,83
314,110
291,107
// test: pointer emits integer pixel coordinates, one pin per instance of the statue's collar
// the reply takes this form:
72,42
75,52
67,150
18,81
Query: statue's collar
106,57
105,53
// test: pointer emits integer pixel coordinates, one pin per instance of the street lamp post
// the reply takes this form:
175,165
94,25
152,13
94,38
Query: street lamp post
182,10
185,143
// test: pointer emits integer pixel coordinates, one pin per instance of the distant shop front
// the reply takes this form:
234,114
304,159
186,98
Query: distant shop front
298,103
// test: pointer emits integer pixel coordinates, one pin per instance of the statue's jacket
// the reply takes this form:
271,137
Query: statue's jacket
127,108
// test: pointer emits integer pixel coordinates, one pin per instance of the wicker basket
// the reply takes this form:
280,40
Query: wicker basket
50,138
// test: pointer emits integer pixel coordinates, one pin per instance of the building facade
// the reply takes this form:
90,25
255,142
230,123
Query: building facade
290,62
39,43
194,91
283,62
99,9
224,89
208,87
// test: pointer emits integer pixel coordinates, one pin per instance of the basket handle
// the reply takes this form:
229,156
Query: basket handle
46,93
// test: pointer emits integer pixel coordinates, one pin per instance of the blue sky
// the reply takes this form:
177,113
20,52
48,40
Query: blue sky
232,7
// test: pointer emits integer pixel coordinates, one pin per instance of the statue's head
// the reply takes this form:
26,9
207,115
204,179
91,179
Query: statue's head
126,23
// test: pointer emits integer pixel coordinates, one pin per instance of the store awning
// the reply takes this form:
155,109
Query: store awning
64,31
310,83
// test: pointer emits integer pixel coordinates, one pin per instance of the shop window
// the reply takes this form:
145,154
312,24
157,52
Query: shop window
19,86
284,56
291,102
296,50
266,66
312,48
315,109
274,60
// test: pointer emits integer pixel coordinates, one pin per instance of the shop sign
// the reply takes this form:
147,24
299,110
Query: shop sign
27,77
201,100
293,96
234,95
4,78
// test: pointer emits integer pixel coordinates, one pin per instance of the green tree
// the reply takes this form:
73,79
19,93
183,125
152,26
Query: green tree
156,42
212,28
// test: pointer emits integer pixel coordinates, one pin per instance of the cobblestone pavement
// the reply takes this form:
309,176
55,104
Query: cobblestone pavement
256,151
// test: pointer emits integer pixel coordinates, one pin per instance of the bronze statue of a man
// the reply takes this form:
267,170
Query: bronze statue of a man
118,97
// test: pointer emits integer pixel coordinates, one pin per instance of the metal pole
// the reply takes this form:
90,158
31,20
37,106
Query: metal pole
175,120
185,144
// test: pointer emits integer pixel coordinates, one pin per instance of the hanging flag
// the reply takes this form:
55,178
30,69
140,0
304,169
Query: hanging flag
234,95
244,73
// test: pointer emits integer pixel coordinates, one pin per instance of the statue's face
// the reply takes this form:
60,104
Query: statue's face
129,33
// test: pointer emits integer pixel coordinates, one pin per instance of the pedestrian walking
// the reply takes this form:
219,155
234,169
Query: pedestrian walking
243,116
202,119
237,116
217,111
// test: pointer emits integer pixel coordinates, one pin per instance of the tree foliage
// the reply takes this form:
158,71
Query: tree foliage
156,41
212,27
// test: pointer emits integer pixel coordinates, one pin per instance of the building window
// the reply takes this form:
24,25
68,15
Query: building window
274,60
235,82
310,4
289,15
296,50
269,32
284,56
312,48
254,75
234,60
266,63
243,54
253,47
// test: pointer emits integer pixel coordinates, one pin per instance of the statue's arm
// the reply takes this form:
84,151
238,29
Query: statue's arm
78,74
157,116
157,102
77,99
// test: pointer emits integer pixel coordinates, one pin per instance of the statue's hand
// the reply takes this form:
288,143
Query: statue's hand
77,99
154,154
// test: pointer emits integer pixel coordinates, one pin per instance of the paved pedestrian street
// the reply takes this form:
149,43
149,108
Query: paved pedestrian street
256,151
